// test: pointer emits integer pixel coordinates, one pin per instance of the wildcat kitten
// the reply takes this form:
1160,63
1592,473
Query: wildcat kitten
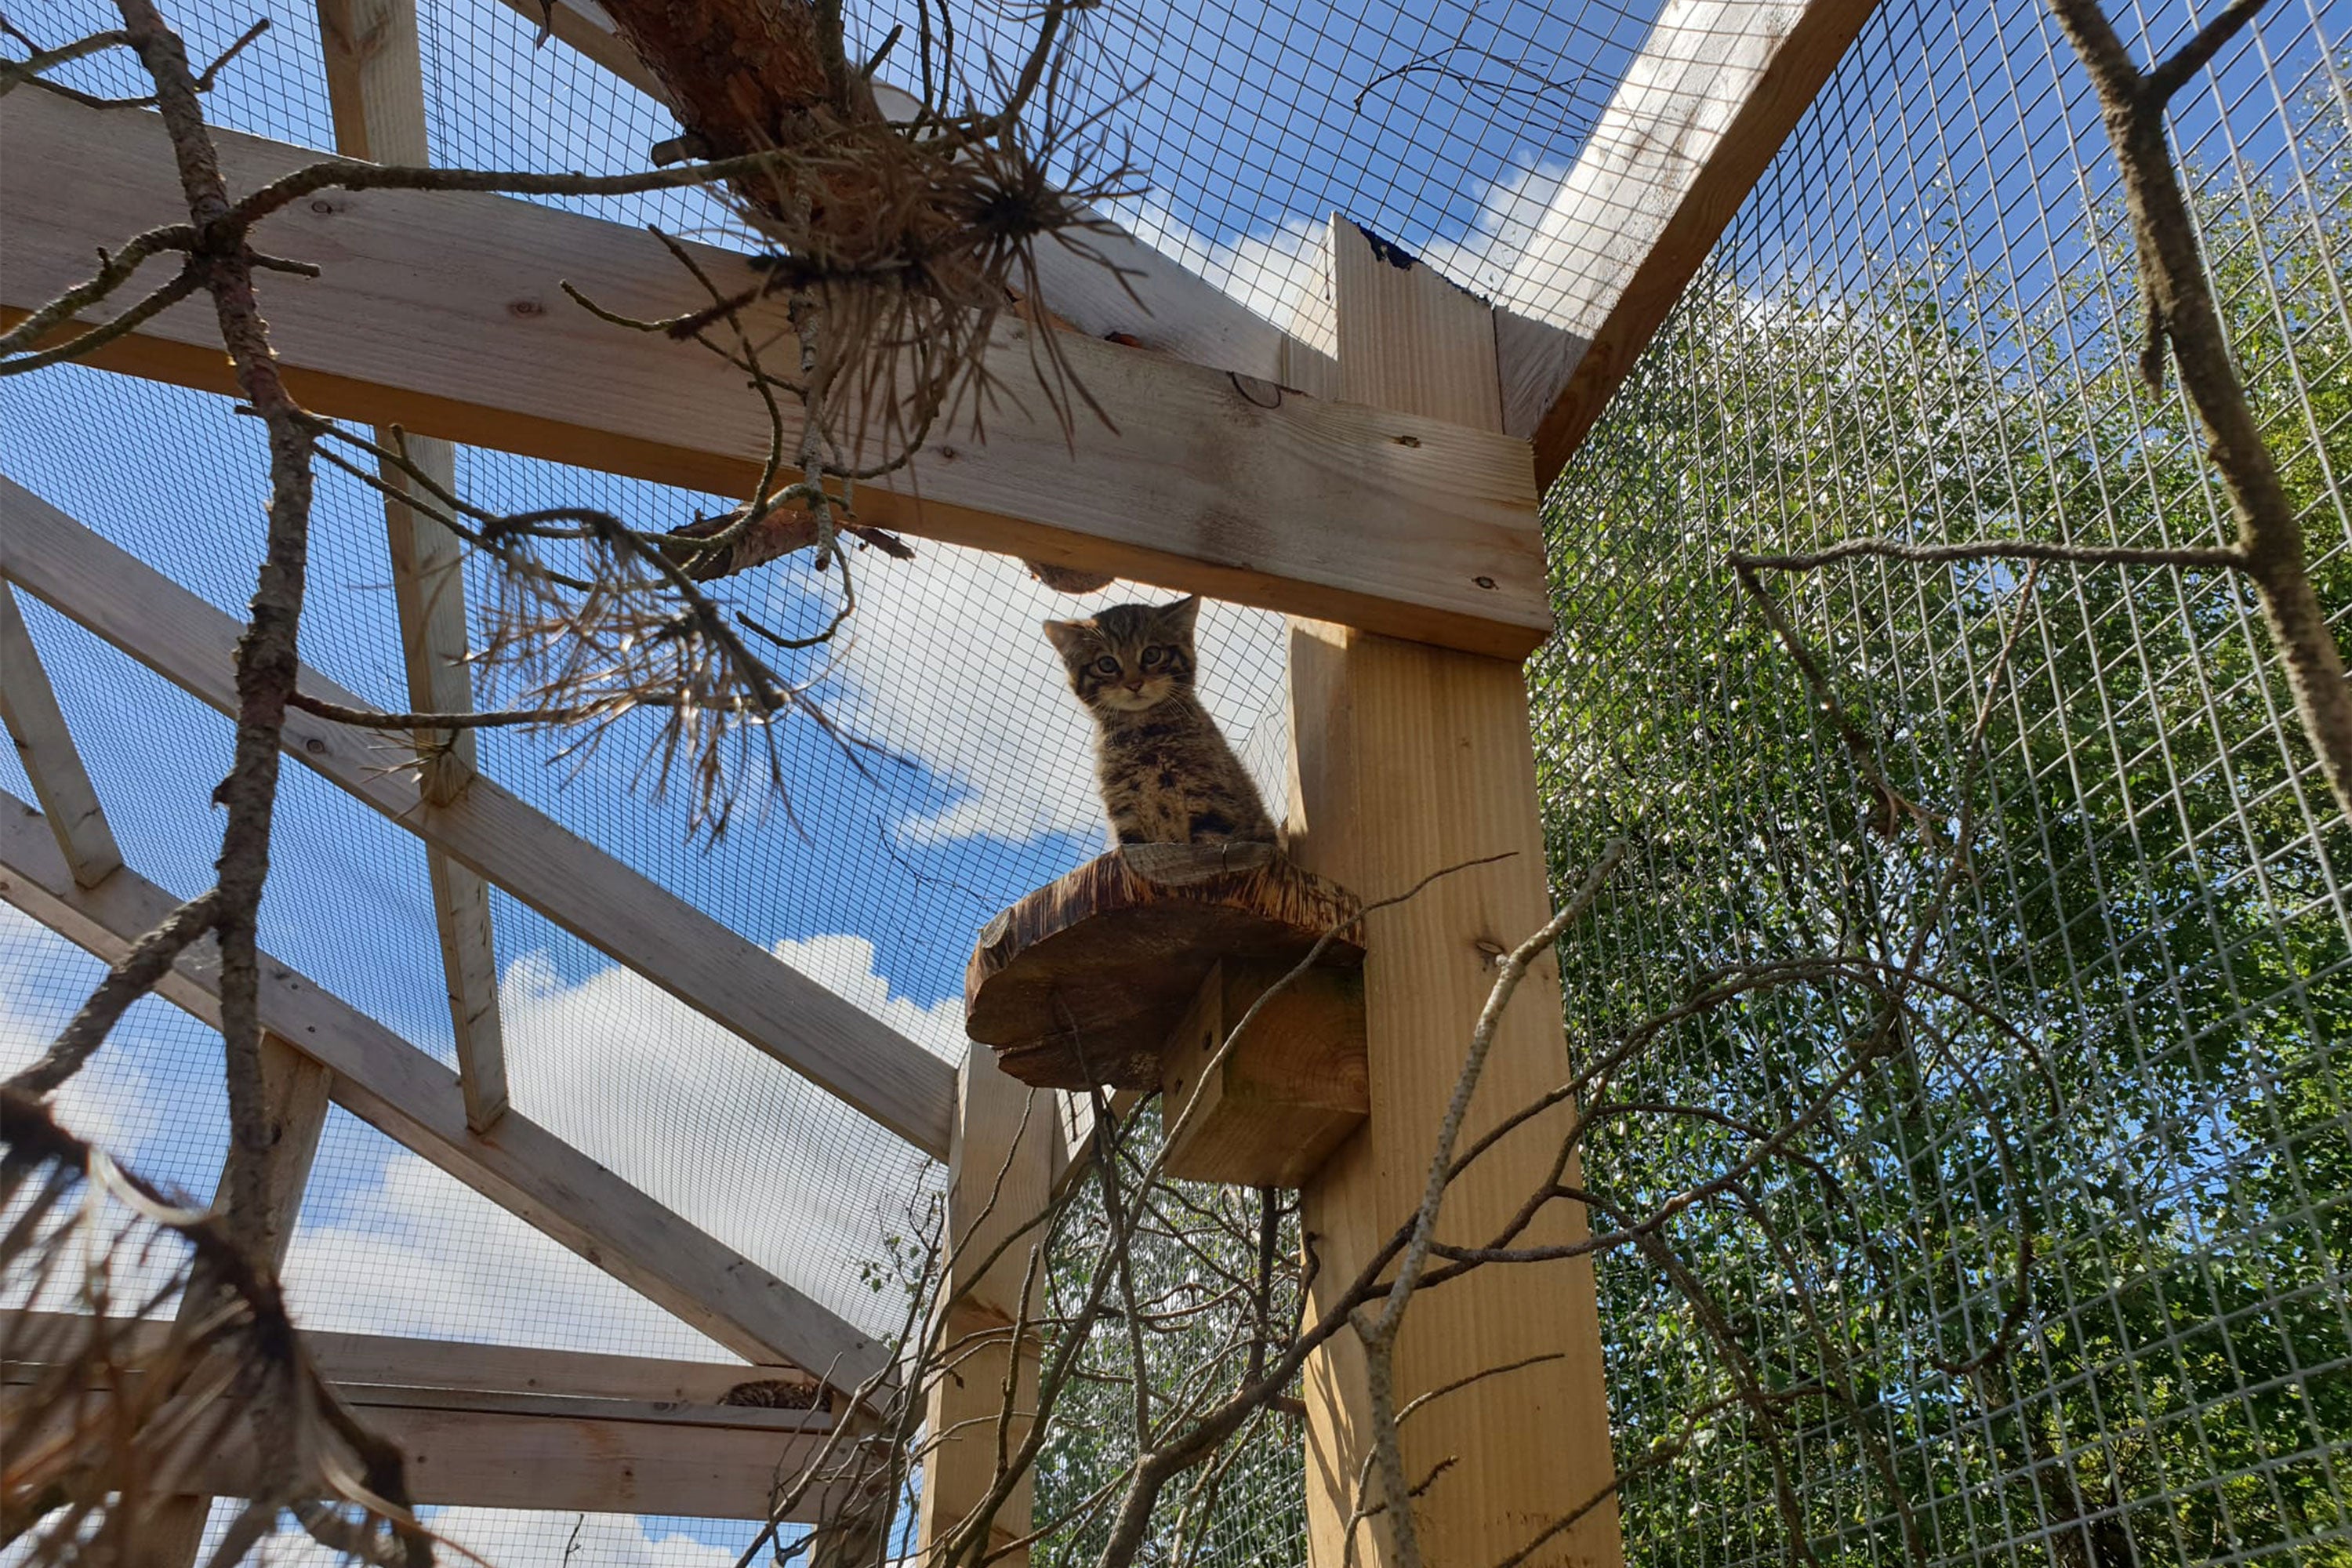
1167,775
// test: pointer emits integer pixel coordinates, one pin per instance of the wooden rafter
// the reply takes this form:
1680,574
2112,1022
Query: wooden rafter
375,84
28,707
1698,116
629,917
443,313
495,1426
464,1366
403,1092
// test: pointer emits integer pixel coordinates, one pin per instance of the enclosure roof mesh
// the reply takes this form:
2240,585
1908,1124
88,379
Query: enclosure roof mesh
1443,128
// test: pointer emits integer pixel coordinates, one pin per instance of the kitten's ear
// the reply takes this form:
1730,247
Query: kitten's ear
1182,614
1064,635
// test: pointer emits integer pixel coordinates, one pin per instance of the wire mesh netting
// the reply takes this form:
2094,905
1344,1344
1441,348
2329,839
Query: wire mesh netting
874,885
2067,1278
2130,1095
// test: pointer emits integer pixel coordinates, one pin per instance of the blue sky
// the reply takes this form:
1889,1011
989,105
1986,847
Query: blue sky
1247,124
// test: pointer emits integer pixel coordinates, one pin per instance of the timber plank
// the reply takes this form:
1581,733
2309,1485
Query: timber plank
44,748
1407,760
394,1087
1696,119
625,914
408,1367
443,312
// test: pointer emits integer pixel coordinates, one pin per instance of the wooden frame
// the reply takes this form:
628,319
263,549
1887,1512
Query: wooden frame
626,915
28,709
375,86
1399,498
500,1427
442,312
398,1089
1405,761
1699,115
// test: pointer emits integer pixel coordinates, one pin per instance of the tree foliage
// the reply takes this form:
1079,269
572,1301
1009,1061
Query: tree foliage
2149,910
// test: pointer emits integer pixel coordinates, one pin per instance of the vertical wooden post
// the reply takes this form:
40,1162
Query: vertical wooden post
1407,759
294,1091
375,87
1000,1175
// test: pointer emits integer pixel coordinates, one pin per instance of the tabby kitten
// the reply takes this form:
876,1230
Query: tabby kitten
1167,775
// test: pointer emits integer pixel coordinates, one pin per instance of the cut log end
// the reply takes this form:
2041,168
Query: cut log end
1084,981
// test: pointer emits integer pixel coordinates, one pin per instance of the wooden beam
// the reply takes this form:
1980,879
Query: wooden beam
1698,116
28,707
561,1441
415,1365
442,312
1151,301
627,916
394,1087
1288,1093
375,86
1000,1177
1407,760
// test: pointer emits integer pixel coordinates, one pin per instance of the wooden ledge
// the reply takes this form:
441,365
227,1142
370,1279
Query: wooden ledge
1084,981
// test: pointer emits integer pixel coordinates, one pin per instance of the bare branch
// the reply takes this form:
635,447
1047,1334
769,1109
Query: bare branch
2173,73
2189,558
135,974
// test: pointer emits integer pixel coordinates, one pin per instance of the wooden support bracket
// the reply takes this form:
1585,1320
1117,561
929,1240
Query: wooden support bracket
1132,969
1288,1093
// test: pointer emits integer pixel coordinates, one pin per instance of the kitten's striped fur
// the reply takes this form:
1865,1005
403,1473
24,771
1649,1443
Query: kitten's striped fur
1167,775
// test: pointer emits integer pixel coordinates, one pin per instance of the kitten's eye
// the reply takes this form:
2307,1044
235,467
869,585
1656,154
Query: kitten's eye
1106,665
1153,657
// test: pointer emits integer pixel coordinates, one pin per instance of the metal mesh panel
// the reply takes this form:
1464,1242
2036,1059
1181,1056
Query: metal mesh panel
154,1096
1188,1262
1909,330
389,1244
1922,326
873,881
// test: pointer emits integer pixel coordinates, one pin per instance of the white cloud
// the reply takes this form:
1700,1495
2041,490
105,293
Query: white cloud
1503,254
950,667
416,1254
1277,271
845,967
704,1123
583,1540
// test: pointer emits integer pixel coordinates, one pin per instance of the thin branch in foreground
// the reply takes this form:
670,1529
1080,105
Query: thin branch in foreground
130,978
2179,293
31,72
